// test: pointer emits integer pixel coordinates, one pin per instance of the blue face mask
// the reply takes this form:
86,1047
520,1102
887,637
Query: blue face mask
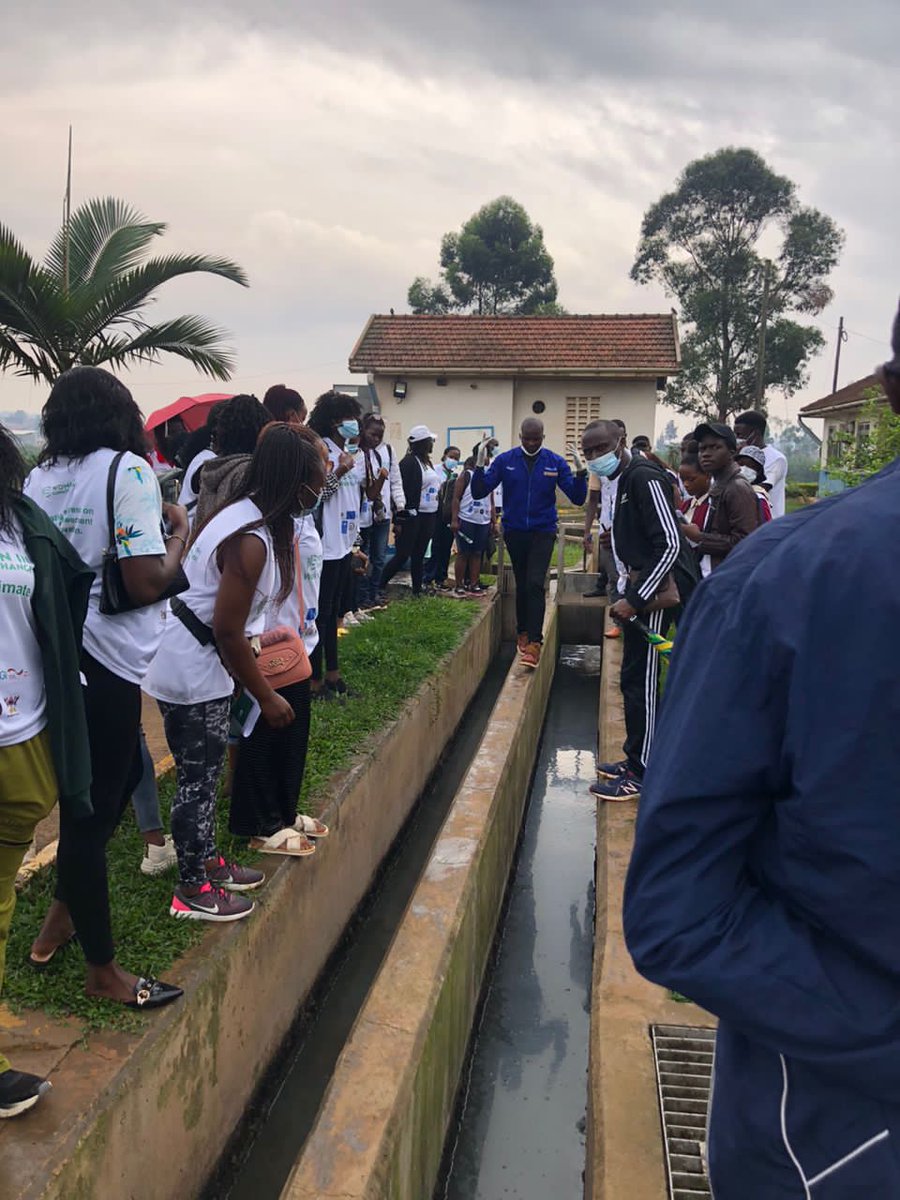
604,466
348,430
451,465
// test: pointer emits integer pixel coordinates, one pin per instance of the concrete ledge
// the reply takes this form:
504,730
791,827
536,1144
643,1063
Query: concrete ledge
148,1116
625,1157
381,1129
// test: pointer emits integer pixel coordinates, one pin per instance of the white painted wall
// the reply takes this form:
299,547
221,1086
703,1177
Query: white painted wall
459,411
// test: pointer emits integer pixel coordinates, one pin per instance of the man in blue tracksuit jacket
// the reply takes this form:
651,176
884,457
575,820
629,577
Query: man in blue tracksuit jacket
765,881
530,475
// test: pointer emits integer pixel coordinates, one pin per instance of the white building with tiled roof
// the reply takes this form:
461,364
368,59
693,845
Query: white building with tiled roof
466,375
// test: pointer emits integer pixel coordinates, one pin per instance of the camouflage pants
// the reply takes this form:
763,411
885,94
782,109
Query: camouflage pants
197,735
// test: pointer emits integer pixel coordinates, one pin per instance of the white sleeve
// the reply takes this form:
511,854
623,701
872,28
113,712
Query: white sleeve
397,493
137,509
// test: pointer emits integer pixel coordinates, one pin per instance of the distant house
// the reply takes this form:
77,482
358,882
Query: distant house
465,375
842,413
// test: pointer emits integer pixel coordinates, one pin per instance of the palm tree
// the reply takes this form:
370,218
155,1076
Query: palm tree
85,304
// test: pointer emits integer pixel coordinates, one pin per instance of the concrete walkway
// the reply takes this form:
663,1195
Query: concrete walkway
626,1157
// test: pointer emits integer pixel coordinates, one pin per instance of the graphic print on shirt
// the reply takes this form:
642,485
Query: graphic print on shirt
22,700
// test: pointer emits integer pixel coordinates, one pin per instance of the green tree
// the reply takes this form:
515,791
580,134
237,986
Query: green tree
857,456
497,263
86,302
704,242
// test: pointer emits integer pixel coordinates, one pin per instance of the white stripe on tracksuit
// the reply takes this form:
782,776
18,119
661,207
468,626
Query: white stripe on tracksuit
651,685
663,507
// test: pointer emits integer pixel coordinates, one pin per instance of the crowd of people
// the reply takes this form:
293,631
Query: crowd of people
226,608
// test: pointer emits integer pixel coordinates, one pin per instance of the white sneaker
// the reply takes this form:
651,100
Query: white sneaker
351,620
158,859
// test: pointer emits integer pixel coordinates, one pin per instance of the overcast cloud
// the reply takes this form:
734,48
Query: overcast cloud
328,148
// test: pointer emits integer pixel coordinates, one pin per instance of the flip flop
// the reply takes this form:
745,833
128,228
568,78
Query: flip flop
287,841
38,964
310,826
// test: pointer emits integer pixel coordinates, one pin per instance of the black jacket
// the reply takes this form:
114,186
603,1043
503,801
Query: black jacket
62,584
411,474
646,534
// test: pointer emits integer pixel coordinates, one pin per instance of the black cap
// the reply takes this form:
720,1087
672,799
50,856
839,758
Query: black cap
712,428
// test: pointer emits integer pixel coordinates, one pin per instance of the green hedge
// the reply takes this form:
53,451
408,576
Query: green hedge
801,491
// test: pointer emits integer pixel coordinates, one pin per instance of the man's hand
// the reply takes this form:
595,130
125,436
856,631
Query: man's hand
578,459
276,712
622,611
454,526
483,455
692,532
588,541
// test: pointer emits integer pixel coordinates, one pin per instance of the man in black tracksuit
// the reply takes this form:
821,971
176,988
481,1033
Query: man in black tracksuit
646,537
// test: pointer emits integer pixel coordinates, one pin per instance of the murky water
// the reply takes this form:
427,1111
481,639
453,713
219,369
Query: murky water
520,1131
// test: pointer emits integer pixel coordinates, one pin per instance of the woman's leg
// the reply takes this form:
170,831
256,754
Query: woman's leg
113,709
326,621
404,542
27,795
197,735
145,800
424,531
270,769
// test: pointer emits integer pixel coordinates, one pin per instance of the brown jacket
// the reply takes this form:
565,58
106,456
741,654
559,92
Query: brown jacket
733,513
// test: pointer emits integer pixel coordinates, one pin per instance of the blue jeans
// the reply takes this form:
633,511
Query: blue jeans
374,543
145,798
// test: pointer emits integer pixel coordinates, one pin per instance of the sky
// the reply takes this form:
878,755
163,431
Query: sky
327,148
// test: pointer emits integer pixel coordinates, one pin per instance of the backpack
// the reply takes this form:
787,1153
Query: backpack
445,498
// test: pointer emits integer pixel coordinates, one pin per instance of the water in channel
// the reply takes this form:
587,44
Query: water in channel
520,1128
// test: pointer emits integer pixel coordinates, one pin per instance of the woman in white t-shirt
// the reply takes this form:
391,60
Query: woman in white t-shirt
335,418
44,752
414,525
89,419
239,565
270,762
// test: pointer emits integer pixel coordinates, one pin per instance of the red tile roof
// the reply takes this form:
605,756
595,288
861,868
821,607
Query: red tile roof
850,396
645,343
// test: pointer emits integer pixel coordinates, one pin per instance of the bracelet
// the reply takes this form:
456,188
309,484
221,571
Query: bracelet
176,537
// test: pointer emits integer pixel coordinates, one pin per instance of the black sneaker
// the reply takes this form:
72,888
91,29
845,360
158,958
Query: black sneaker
20,1091
613,770
209,904
626,787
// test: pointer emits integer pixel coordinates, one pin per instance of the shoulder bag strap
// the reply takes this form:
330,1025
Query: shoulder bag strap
111,548
299,569
192,623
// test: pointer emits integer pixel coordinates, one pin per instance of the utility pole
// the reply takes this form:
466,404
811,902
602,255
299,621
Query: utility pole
67,217
841,338
761,352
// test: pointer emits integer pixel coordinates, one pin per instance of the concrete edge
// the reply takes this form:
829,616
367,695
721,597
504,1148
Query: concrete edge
179,1089
625,1154
381,1129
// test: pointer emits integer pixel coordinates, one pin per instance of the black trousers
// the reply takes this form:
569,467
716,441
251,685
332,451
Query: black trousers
411,543
269,771
332,592
113,709
640,687
437,566
530,554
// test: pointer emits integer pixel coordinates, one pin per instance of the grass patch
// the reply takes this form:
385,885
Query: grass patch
387,661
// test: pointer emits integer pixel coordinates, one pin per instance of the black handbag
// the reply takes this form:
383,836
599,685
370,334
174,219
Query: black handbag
114,597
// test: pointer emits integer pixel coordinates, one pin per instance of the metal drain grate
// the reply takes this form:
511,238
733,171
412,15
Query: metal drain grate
683,1056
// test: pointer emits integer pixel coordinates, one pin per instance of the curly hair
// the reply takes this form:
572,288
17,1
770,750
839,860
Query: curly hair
200,439
12,476
330,409
89,409
239,425
281,401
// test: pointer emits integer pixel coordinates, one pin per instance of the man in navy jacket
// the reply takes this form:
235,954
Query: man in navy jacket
765,881
530,475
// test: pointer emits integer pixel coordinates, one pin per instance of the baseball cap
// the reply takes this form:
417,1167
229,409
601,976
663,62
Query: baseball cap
754,453
714,429
419,433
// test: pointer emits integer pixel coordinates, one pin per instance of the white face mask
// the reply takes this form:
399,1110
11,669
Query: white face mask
748,473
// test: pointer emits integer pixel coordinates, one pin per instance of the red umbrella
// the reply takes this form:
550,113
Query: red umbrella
193,410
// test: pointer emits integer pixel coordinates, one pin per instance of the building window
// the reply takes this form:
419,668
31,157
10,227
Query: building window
580,411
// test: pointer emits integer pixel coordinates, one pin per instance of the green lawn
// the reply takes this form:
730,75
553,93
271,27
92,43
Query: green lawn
386,660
